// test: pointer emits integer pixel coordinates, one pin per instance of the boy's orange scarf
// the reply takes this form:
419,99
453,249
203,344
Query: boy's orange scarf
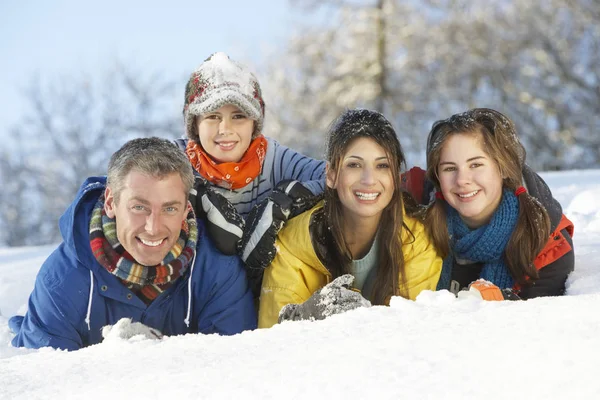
229,175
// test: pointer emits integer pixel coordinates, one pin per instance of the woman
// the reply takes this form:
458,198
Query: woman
359,234
493,218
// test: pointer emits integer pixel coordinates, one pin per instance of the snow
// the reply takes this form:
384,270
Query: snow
436,347
219,70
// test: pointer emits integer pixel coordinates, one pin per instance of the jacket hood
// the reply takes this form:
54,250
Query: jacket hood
536,187
74,223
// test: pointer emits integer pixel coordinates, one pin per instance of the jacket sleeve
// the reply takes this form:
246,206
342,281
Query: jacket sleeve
289,164
48,321
230,308
282,284
422,264
552,277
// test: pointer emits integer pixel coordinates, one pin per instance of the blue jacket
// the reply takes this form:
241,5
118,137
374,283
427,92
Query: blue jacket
74,296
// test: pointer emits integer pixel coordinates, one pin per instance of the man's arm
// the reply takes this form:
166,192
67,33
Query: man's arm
47,321
230,308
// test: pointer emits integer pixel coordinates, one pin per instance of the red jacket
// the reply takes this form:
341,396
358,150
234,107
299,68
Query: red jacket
557,246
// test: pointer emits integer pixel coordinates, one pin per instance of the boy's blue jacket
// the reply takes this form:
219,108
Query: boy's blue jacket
74,296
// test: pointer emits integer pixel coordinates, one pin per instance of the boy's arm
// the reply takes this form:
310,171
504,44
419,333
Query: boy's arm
288,199
289,164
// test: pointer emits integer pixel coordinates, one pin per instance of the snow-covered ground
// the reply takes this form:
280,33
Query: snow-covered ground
438,347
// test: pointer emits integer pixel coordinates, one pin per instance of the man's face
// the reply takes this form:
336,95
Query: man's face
149,215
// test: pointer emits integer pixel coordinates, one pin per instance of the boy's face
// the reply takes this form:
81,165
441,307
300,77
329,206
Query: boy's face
225,134
149,214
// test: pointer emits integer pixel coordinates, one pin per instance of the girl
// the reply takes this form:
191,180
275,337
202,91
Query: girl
359,233
224,112
493,218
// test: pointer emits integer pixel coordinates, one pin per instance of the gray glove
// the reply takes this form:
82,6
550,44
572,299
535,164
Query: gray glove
126,329
333,298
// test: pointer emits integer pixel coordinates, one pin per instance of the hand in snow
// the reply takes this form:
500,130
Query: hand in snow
485,290
223,223
333,298
126,329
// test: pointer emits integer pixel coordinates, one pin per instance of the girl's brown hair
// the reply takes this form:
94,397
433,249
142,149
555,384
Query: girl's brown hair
390,279
500,142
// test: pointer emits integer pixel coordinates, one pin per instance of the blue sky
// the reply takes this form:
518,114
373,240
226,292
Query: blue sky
62,37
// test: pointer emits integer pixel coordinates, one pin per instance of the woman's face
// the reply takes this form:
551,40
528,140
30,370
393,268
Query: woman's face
364,182
469,179
225,134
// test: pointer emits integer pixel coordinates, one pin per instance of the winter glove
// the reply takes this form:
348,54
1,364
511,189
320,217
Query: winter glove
126,329
334,298
485,290
257,247
223,223
288,199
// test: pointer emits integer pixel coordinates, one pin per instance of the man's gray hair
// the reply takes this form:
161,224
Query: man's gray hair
152,156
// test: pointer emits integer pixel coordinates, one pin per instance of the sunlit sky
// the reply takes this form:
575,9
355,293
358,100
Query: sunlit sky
62,38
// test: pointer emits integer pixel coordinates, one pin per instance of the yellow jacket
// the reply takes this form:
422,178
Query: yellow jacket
296,272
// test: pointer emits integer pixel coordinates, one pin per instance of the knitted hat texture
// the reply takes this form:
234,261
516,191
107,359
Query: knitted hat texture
217,82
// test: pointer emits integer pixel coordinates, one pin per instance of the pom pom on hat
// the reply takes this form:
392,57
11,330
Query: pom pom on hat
219,81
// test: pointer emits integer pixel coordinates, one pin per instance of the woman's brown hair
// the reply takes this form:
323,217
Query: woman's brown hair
500,142
390,279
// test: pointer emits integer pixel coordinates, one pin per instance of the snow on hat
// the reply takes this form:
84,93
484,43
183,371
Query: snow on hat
217,82
360,122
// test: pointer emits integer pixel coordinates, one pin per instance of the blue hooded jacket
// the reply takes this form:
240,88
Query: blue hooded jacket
74,296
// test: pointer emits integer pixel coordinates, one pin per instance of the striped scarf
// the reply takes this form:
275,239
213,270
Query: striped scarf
485,244
146,281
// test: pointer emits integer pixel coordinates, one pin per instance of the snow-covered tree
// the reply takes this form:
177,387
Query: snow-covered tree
71,128
355,60
422,60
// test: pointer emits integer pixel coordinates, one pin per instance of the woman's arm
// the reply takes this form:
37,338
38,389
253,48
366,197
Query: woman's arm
422,264
281,286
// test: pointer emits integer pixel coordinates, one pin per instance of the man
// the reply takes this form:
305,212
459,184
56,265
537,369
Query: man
132,248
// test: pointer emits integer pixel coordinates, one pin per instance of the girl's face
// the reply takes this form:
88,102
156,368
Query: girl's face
470,181
364,182
225,134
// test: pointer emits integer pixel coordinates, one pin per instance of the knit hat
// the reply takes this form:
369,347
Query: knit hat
359,122
217,82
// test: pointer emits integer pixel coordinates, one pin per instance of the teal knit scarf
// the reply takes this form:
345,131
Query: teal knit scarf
485,244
